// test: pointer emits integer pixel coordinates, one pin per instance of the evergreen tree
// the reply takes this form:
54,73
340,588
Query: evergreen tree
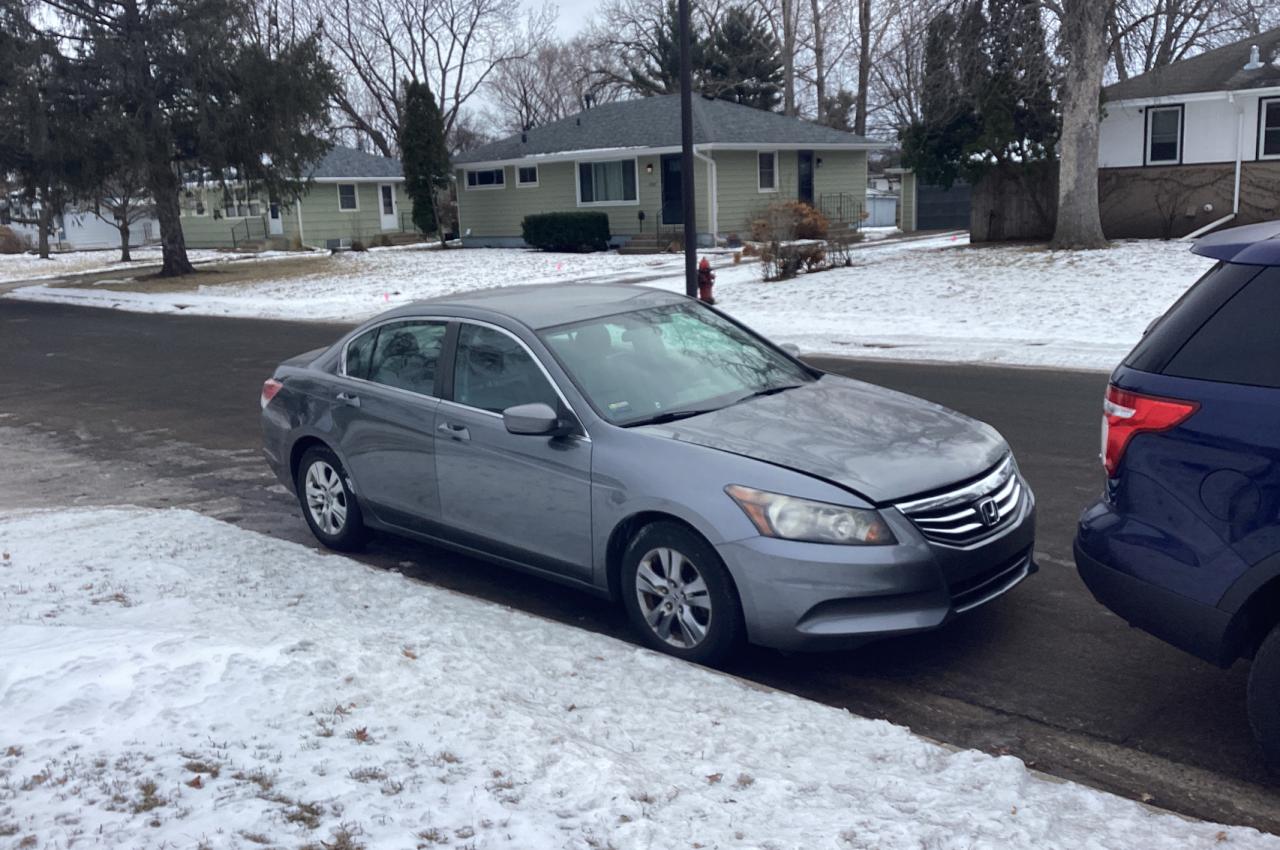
743,62
987,101
425,157
658,71
204,99
838,110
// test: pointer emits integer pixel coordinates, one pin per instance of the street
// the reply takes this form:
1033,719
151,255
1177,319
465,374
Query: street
169,405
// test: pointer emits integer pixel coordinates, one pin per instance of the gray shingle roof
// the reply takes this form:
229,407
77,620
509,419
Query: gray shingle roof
1220,69
358,165
655,122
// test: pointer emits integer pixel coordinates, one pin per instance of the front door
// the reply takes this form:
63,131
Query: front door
385,417
805,168
275,225
387,207
519,496
672,190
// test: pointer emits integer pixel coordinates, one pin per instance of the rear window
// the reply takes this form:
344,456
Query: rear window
1172,330
1240,343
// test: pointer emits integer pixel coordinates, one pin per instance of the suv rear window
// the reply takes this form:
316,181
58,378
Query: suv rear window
1172,330
1238,344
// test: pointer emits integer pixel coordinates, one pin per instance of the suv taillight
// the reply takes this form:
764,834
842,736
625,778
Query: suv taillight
269,389
1126,414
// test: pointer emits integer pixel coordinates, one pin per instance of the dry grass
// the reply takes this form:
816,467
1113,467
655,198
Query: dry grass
144,279
343,838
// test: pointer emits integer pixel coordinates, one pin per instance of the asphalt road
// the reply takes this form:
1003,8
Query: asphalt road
1043,673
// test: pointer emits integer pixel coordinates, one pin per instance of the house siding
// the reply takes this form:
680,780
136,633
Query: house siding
1208,131
907,209
493,216
321,219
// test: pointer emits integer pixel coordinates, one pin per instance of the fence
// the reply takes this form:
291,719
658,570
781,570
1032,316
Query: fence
842,209
248,230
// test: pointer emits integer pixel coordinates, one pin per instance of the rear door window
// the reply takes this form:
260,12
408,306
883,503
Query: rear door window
1171,332
1240,342
406,355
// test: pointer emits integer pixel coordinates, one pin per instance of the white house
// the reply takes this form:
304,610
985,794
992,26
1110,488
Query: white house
1194,145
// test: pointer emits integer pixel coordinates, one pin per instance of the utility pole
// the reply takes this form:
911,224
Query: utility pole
686,156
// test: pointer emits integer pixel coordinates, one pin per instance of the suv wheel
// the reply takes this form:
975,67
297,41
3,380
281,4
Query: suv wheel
328,504
1264,698
679,596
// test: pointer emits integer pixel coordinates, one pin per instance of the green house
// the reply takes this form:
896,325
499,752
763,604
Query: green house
623,158
354,196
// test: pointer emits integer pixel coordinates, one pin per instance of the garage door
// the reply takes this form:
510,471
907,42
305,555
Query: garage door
938,208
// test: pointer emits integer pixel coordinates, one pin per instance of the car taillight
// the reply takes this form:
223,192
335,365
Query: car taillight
269,389
1126,414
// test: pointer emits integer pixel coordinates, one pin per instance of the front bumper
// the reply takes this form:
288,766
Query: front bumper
811,596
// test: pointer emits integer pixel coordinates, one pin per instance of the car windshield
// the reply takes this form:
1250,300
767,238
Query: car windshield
666,362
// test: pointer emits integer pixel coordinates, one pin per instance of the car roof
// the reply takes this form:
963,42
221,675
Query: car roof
1252,244
544,305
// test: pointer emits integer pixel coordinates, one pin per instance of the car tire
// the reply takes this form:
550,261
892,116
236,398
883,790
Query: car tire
328,503
1264,698
679,596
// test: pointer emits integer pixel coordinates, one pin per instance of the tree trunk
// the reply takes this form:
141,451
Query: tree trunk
788,57
164,187
123,225
819,62
1084,40
43,226
864,66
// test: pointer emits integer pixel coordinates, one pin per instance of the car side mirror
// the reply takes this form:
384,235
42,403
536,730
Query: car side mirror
532,419
791,348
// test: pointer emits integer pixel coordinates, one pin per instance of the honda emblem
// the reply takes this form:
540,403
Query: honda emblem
989,511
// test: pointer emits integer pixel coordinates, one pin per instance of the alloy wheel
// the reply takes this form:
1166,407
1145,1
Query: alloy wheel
326,498
673,597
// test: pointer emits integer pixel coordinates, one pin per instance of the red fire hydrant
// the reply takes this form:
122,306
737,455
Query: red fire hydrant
706,278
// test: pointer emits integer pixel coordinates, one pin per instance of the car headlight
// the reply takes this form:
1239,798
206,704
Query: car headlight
790,518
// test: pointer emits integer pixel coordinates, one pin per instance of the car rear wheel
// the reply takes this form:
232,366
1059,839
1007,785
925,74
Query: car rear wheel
328,504
1264,698
679,595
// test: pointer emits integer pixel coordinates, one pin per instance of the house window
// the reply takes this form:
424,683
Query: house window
527,175
767,170
1269,141
612,182
200,206
347,198
490,178
1164,135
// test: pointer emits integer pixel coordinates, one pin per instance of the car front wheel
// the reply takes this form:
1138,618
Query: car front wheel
679,595
328,504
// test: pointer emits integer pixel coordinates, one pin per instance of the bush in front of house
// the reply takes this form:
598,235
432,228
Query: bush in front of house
11,242
577,232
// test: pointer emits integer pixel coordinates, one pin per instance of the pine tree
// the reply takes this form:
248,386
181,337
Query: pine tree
206,100
659,72
743,62
425,157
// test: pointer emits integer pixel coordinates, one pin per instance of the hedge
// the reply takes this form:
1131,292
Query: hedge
567,231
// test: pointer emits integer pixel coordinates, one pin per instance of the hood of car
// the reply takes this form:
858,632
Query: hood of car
882,444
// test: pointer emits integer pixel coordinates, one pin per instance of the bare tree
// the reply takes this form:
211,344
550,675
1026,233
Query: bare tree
819,60
897,73
552,82
864,65
1083,41
455,46
1149,34
123,201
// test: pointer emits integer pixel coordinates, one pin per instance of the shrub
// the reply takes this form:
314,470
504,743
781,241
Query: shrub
785,221
10,242
357,245
567,231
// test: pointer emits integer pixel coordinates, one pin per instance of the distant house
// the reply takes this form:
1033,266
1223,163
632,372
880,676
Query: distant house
624,159
354,196
80,229
1194,144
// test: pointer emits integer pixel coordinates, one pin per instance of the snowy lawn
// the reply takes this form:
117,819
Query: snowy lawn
353,286
922,299
14,267
171,681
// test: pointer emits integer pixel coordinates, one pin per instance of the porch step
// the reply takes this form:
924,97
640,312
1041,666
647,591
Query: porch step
647,244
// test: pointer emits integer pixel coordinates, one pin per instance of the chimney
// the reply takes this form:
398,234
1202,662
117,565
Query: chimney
1255,59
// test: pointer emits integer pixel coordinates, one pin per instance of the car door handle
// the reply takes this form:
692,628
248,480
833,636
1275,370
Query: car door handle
454,432
349,399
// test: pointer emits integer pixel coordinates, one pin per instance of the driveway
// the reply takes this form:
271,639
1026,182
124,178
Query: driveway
163,410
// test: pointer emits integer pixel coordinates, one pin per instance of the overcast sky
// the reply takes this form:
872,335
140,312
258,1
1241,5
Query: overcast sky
573,15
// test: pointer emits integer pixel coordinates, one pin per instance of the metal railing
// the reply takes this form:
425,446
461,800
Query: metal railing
842,209
245,231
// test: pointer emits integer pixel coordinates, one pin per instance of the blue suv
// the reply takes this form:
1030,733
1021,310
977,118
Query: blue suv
1185,541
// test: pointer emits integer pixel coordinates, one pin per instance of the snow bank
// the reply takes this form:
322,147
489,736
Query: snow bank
172,681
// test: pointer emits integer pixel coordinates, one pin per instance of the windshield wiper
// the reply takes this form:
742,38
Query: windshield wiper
670,416
766,391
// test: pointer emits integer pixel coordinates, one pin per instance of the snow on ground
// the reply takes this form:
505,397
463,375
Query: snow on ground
353,286
920,299
15,267
173,681
939,299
